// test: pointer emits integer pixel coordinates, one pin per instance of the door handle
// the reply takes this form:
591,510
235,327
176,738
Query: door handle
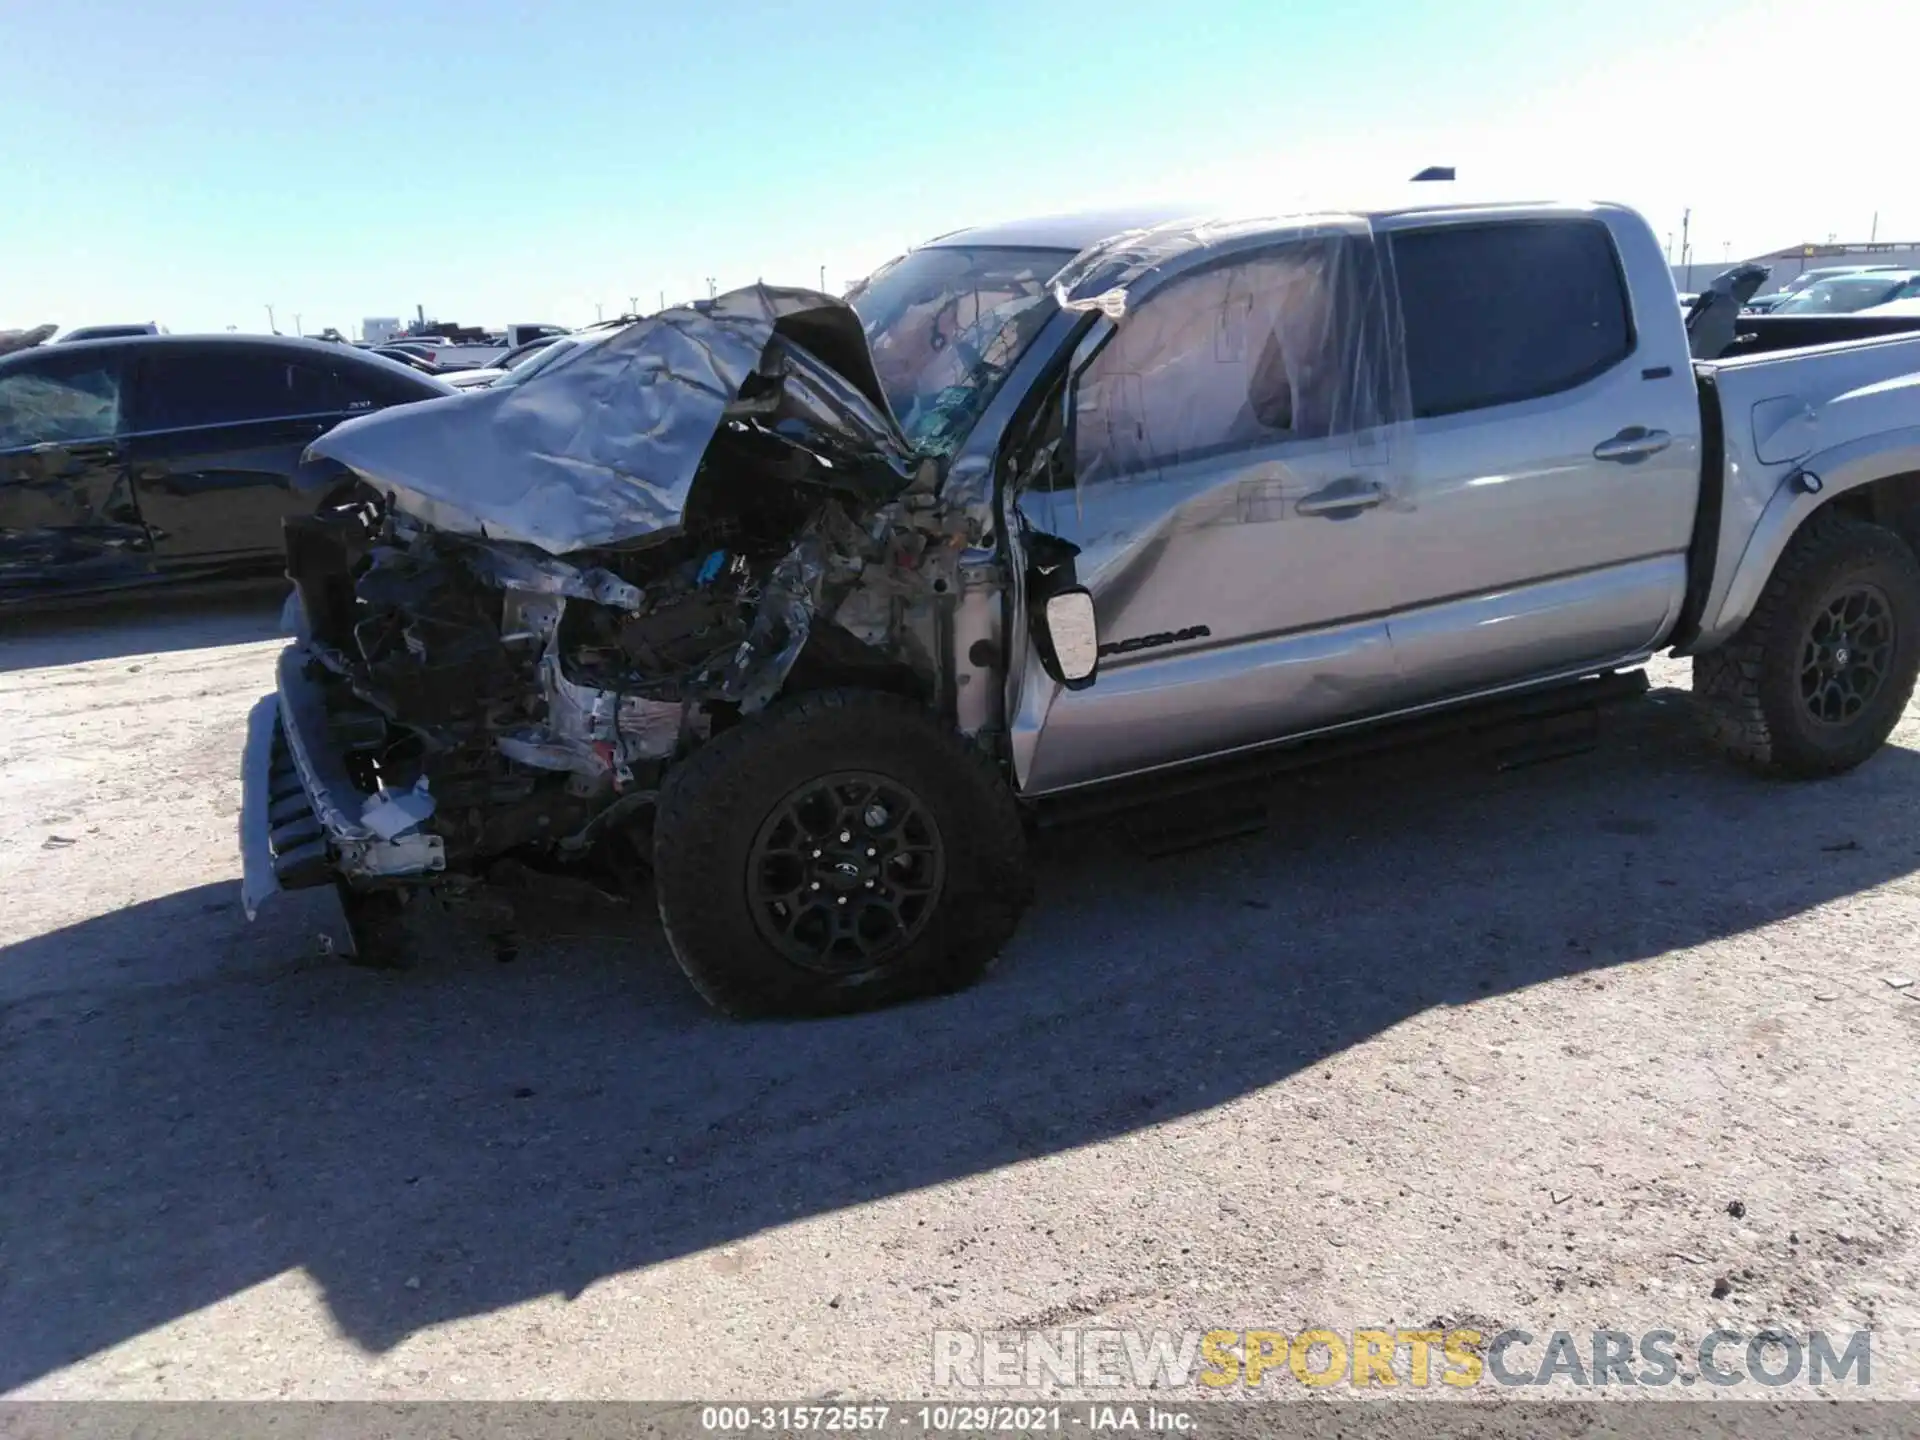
1341,498
1632,444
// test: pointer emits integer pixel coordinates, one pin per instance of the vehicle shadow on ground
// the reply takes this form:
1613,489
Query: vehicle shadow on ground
107,629
497,1132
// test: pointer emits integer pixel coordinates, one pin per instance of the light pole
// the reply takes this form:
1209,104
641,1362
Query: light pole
711,290
270,325
296,323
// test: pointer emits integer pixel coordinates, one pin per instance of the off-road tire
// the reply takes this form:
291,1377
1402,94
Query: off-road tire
1748,690
714,804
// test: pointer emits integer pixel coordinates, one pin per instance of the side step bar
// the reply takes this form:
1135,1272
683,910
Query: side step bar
1511,731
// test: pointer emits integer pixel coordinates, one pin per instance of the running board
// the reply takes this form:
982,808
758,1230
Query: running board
1508,733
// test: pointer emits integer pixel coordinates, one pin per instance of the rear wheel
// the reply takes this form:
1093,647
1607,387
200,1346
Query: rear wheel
1816,680
839,851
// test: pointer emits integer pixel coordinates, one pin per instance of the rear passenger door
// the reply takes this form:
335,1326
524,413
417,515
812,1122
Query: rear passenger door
1556,447
67,516
216,434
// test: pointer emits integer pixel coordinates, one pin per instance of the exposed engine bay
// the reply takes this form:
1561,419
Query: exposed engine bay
492,696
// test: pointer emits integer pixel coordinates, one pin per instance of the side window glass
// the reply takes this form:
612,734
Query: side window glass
1494,314
312,391
1235,356
60,400
179,392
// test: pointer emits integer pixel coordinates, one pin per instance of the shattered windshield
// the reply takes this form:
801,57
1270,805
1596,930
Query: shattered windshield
946,324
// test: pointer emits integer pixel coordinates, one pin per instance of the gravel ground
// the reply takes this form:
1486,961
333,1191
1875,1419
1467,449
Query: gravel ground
1614,1041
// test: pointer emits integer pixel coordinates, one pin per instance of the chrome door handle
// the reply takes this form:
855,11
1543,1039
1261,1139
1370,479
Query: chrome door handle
1342,497
1636,442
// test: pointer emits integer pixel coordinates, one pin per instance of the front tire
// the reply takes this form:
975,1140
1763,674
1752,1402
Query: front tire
841,850
1817,678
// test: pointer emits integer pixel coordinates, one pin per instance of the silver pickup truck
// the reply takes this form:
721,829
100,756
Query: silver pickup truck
806,606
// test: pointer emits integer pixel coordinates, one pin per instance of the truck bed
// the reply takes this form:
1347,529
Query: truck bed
1759,334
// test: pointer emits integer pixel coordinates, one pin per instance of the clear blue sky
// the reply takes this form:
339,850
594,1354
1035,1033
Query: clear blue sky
192,160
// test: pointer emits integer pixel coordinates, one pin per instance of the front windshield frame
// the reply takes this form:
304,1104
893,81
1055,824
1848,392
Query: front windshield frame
946,324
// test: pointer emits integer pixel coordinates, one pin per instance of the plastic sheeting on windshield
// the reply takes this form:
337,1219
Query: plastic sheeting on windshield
601,447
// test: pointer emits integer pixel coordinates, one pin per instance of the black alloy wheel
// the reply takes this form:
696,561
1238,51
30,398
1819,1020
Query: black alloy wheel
845,872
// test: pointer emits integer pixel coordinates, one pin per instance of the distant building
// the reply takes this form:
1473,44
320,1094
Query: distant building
379,330
1787,263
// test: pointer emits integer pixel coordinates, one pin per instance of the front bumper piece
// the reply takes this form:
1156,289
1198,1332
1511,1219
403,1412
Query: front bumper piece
303,822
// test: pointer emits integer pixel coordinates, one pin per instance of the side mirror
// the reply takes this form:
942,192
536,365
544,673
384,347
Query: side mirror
1068,637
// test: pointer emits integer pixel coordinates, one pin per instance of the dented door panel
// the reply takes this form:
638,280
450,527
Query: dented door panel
1228,617
1198,703
68,520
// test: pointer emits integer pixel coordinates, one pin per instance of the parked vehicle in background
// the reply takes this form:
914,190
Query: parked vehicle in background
466,357
472,379
157,459
1807,281
512,360
1762,304
1848,294
517,336
108,332
463,348
1055,514
414,356
1906,305
526,350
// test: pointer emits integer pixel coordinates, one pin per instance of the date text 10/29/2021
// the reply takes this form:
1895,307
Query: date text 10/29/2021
942,1419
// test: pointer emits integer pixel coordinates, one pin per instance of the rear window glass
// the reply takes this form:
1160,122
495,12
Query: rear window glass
1499,313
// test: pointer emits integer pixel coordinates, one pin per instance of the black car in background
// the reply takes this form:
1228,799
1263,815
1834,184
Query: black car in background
167,458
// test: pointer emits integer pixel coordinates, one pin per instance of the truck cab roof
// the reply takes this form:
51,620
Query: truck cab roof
1079,230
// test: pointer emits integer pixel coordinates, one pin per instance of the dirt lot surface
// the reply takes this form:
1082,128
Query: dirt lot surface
1625,1040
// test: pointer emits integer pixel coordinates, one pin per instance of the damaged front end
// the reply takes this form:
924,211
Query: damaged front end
521,604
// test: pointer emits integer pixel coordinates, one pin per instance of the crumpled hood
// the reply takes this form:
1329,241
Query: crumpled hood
602,447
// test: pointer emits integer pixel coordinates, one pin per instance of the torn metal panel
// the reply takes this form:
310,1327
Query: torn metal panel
391,814
602,448
12,340
593,731
542,575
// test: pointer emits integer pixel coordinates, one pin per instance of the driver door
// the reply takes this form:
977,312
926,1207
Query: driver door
1229,517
